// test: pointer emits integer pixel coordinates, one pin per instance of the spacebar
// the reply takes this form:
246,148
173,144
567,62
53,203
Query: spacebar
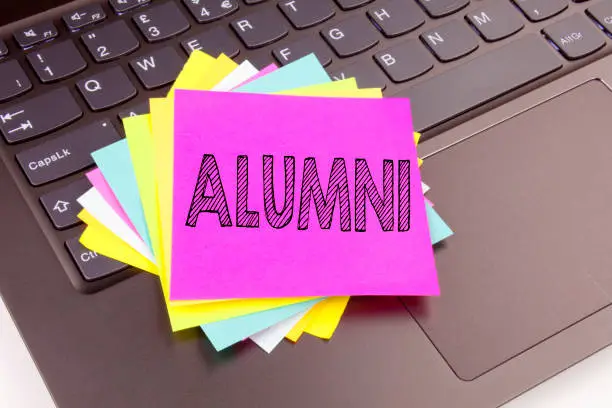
480,80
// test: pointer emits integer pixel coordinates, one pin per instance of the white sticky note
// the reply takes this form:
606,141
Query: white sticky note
271,337
425,187
242,73
97,206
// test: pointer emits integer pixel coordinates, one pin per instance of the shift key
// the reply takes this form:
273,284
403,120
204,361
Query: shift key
39,115
66,154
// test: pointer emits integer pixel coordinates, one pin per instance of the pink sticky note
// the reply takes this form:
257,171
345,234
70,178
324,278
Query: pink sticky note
98,181
265,71
254,255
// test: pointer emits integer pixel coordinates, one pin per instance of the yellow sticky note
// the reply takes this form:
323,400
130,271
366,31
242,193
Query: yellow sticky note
100,239
327,317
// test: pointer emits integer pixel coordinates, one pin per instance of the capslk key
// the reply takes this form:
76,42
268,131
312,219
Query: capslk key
66,154
39,115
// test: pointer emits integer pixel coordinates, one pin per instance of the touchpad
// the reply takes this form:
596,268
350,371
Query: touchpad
530,202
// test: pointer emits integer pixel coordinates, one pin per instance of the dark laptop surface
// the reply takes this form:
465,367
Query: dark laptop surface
521,177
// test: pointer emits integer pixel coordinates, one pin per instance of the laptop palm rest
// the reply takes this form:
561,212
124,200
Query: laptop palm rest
530,201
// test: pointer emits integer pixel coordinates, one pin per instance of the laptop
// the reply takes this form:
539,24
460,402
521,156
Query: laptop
513,99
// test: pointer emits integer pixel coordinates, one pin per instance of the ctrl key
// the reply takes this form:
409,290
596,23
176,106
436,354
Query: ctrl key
92,265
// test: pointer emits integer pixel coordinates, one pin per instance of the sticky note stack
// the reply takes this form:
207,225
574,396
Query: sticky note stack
264,199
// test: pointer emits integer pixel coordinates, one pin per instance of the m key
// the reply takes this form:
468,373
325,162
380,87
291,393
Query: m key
37,116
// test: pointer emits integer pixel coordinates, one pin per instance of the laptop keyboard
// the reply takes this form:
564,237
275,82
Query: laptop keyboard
65,83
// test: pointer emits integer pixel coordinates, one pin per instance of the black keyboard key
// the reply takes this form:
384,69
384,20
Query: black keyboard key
13,80
453,92
451,40
161,21
441,8
66,154
136,110
57,62
396,17
39,115
538,10
205,11
575,36
298,49
260,28
602,13
367,74
158,68
3,49
106,89
61,204
84,16
90,264
307,13
35,34
214,42
496,20
110,41
121,6
351,4
405,61
351,36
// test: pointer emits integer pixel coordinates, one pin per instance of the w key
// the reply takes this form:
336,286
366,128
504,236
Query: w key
158,68
57,62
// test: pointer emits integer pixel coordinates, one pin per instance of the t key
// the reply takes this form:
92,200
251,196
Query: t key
110,41
57,62
106,89
13,81
39,115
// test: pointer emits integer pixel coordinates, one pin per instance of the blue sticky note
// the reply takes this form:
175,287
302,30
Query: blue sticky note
115,163
225,333
438,229
304,72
